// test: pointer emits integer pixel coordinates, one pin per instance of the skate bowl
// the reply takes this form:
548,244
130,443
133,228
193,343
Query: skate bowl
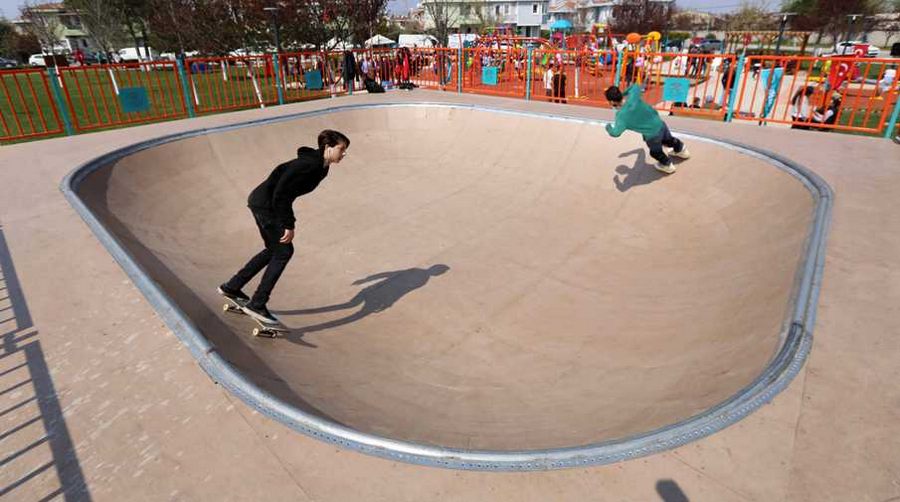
479,288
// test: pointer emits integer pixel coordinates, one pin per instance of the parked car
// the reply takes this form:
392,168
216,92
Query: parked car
130,55
846,49
710,45
7,64
36,60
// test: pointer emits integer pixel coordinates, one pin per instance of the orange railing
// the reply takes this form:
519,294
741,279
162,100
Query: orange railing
28,109
94,94
230,83
840,93
850,94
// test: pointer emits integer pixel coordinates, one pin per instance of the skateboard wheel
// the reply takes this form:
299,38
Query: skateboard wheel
226,307
256,332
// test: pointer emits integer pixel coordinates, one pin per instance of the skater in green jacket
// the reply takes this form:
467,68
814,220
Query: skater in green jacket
635,115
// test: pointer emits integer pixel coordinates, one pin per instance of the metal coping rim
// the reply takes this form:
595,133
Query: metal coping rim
781,370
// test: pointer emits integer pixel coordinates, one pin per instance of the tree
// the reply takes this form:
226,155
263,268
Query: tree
45,28
751,17
830,16
486,17
364,17
444,15
104,22
639,16
15,45
889,23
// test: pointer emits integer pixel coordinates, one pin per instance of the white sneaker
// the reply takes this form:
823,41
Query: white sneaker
683,154
668,169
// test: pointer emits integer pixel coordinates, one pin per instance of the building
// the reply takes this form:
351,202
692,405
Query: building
524,17
586,14
63,23
582,14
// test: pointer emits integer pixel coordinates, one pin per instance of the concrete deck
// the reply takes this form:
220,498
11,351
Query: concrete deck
141,421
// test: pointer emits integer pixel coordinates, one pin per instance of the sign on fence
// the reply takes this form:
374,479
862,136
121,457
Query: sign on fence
676,89
134,99
313,80
489,75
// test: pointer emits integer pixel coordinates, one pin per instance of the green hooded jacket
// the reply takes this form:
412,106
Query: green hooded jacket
635,115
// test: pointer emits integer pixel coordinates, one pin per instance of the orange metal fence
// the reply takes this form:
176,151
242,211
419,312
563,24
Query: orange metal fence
27,109
122,94
496,72
708,78
305,75
852,94
579,77
231,83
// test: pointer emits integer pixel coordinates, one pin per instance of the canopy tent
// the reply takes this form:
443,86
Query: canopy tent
379,41
561,24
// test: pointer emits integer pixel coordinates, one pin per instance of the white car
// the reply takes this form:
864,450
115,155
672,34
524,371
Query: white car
130,54
846,49
36,60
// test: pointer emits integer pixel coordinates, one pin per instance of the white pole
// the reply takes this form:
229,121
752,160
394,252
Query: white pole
252,76
112,76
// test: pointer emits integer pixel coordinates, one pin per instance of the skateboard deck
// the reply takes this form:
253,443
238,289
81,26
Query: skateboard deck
264,329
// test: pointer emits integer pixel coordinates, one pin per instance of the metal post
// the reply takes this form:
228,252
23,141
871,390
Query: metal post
738,73
528,74
851,20
60,102
461,67
618,67
278,84
889,133
784,18
273,14
780,34
182,76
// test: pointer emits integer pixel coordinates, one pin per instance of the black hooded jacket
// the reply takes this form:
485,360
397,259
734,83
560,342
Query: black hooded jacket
273,199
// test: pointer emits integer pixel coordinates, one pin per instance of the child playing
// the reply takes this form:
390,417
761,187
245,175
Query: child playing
636,115
271,204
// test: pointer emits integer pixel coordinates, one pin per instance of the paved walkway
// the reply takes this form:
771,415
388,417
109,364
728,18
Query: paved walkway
123,412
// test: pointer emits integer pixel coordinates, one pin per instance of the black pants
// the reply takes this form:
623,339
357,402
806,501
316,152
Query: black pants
273,258
664,138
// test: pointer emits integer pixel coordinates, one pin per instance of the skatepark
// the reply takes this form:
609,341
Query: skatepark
482,285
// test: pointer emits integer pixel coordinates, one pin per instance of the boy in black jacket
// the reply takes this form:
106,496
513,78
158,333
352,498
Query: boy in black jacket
271,204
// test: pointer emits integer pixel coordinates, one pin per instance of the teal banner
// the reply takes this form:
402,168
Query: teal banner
313,80
134,99
676,89
489,75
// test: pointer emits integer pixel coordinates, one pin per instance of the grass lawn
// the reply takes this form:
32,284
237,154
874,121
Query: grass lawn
95,96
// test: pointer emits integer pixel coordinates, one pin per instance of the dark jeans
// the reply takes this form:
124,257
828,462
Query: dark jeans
664,138
273,258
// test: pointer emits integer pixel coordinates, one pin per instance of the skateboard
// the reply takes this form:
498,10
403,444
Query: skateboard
264,329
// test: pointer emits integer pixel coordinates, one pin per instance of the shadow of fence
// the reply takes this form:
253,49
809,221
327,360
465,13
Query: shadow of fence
37,457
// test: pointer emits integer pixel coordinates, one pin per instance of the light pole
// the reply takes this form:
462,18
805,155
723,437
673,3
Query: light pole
273,14
784,19
851,20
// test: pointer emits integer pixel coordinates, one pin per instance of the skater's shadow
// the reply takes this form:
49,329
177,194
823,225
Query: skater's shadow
386,290
641,173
